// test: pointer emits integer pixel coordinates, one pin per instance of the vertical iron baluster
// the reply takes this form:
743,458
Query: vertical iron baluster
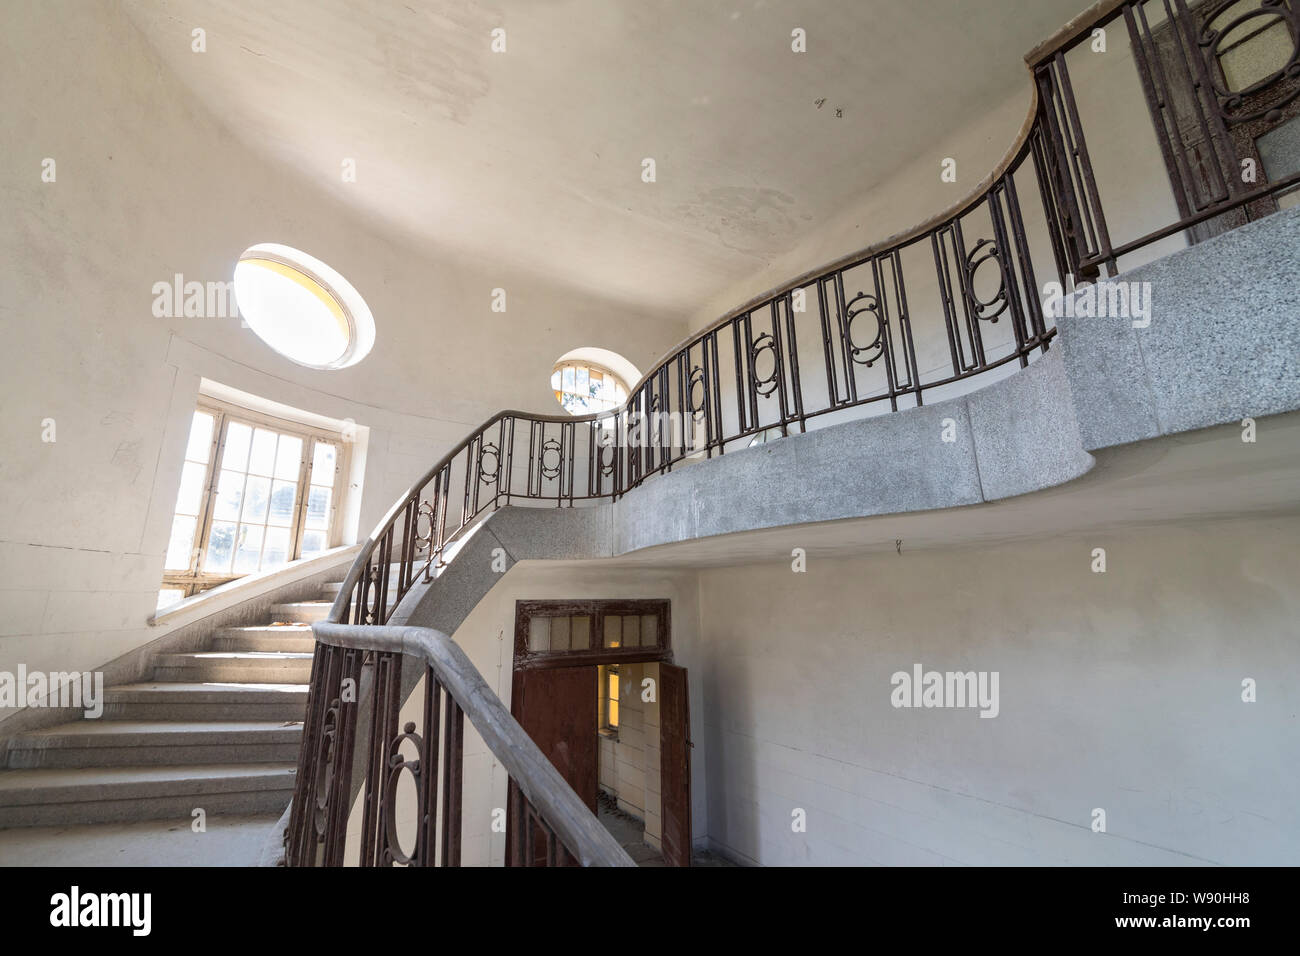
944,275
905,324
793,348
428,819
1037,329
453,768
886,340
846,339
828,345
1010,284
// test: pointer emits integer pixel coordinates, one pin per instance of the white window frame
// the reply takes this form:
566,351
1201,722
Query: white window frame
194,579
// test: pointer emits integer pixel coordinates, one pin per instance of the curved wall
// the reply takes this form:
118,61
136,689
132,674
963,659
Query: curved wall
148,184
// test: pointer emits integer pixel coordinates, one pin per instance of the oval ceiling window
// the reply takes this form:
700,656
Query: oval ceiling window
302,308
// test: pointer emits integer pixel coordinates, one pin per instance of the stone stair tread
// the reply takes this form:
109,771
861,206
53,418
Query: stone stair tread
89,783
99,728
287,627
238,655
213,689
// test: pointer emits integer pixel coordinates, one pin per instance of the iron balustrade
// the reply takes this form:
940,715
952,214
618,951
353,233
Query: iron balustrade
844,338
559,828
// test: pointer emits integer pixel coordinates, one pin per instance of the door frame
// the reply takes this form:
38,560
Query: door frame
598,608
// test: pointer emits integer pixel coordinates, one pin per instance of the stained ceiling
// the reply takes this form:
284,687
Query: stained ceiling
533,157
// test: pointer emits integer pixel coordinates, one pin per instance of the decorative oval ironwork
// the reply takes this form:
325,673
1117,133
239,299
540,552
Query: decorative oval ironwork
986,250
550,447
697,408
393,851
606,465
486,451
1232,102
326,749
425,542
373,609
869,353
765,385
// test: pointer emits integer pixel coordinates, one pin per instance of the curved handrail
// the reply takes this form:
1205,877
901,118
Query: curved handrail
585,839
1017,154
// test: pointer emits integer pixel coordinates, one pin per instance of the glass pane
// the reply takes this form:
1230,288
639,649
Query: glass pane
190,497
221,547
249,553
230,492
256,493
613,700
180,544
200,438
323,464
282,502
276,550
238,437
169,596
559,633
539,633
631,632
613,630
567,378
318,508
580,633
262,459
649,630
289,458
313,542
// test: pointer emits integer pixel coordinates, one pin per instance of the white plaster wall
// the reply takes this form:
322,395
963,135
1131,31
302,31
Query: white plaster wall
487,637
1119,691
150,184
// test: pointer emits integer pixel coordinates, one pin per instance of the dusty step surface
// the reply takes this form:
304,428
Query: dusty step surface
267,637
234,666
299,612
229,840
122,743
212,700
43,797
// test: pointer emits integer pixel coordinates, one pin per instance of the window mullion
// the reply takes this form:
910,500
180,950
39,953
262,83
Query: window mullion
216,450
300,516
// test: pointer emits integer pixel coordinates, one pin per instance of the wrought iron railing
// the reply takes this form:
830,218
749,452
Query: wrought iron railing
913,318
550,825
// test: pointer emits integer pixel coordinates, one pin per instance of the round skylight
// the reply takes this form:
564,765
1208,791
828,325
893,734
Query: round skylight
302,308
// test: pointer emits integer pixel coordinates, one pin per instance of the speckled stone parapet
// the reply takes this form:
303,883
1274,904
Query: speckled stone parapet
1223,343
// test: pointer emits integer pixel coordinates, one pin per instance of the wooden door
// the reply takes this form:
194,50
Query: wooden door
675,764
557,707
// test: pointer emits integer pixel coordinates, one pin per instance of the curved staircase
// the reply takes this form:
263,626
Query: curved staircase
217,729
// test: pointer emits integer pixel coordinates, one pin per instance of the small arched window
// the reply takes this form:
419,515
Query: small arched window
592,380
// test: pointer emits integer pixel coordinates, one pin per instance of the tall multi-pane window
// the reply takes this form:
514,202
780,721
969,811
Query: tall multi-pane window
255,493
583,388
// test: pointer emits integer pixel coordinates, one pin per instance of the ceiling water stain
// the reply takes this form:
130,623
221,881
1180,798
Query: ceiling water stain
753,221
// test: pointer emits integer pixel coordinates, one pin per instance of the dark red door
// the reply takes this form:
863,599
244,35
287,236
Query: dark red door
675,764
557,706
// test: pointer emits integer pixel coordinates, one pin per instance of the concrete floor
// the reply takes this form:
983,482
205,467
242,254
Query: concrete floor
630,833
228,841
